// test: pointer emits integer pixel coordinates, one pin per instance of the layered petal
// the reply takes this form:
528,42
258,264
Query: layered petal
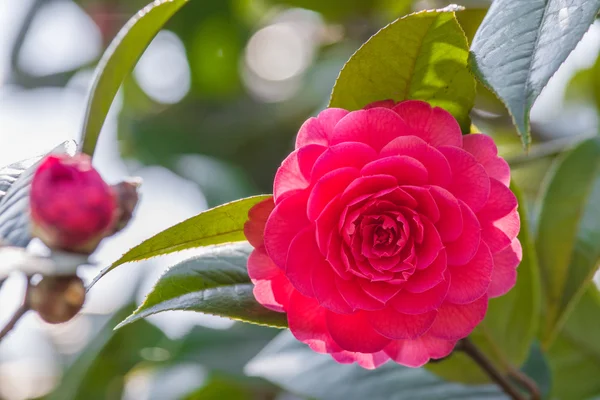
354,332
317,130
434,125
504,275
284,223
375,127
456,321
483,148
395,325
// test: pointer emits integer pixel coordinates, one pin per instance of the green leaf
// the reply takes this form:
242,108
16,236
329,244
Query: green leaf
318,376
221,387
521,44
421,56
118,61
511,322
568,237
218,225
215,282
575,354
538,369
98,373
206,346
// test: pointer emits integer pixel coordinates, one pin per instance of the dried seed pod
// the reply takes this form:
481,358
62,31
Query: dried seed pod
57,299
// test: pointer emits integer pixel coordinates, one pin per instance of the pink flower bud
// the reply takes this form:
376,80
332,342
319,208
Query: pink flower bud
72,208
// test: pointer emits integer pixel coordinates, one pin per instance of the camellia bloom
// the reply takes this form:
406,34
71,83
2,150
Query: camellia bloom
72,208
387,233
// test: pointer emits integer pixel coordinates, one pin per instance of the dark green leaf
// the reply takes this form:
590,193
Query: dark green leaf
99,371
295,367
521,44
216,283
511,322
218,225
421,56
574,356
206,346
118,61
568,237
15,183
218,388
537,368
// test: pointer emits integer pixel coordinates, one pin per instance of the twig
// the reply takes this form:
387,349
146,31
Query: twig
22,310
486,365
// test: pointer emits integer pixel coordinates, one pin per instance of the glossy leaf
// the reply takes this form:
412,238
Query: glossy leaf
15,184
118,61
318,376
511,322
421,56
575,354
215,282
568,235
521,44
218,225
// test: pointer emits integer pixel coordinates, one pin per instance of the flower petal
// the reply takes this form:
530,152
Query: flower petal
381,291
254,228
356,297
367,185
470,182
406,170
436,164
260,266
273,293
434,125
307,322
499,234
431,246
426,204
418,303
464,248
318,129
394,325
417,352
271,287
501,202
457,321
349,154
472,280
450,223
504,275
354,332
375,127
323,282
327,187
303,256
284,223
424,279
483,148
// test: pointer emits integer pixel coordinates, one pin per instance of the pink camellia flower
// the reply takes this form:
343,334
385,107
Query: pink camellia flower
72,208
387,233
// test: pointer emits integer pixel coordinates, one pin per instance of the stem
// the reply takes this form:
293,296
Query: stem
486,365
22,310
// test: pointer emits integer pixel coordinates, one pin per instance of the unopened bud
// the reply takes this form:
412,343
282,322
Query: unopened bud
57,299
72,208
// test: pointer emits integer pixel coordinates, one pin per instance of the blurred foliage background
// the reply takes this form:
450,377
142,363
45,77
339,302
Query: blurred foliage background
207,116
